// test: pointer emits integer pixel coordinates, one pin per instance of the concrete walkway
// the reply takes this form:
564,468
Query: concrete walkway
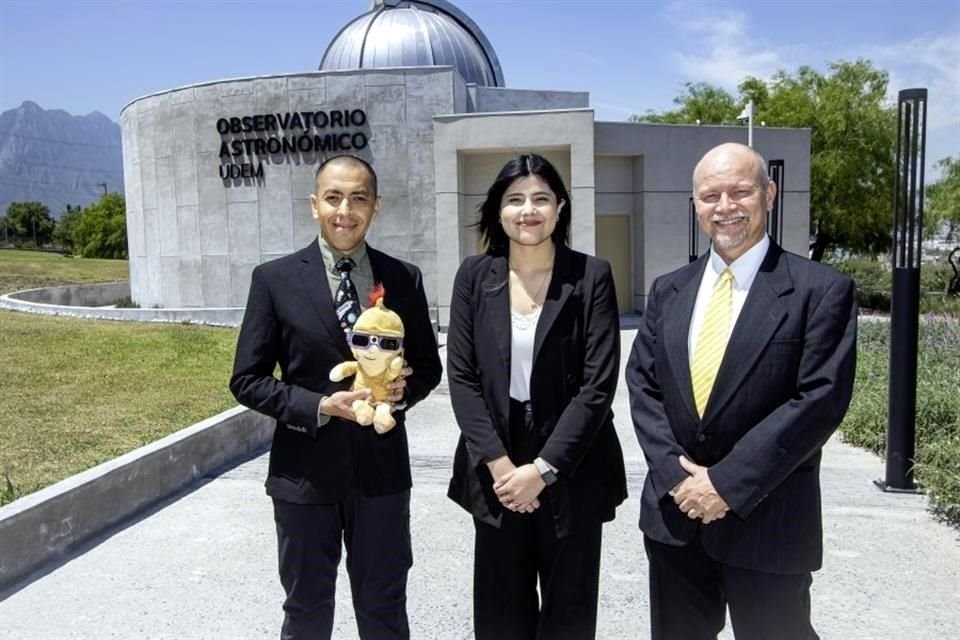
203,566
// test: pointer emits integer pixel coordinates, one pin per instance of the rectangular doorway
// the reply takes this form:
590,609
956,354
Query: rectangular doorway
613,245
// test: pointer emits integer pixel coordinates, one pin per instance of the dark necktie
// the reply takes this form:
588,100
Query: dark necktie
347,301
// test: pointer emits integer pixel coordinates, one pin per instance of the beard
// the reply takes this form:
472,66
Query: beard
724,238
730,239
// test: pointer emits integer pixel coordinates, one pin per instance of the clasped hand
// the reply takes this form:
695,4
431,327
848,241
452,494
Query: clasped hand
517,488
696,495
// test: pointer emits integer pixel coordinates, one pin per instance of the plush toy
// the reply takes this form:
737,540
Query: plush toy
376,341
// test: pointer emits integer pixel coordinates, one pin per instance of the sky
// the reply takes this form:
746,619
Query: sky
630,55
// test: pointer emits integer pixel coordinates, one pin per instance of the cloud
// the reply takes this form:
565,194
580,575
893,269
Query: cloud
931,61
729,53
723,48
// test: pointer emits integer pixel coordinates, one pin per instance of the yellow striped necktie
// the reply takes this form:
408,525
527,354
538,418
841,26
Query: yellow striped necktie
712,341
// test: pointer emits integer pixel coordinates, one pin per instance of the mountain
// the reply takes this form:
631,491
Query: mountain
56,158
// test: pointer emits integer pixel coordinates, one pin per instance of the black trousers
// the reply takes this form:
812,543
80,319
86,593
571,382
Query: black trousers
376,534
689,594
509,561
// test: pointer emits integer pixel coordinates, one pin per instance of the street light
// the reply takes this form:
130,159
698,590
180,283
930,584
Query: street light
908,194
747,114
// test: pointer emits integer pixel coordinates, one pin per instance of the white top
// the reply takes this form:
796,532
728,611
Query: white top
744,270
524,330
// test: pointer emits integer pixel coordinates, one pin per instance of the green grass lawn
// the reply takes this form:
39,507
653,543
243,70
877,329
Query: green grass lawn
32,269
75,393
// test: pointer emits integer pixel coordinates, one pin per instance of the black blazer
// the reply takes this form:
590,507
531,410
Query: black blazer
290,320
574,377
783,387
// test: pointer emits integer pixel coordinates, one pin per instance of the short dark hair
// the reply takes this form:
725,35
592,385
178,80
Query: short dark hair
345,159
529,164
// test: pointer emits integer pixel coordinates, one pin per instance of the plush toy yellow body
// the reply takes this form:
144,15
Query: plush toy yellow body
377,344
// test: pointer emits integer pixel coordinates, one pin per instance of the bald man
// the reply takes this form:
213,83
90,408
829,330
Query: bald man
741,370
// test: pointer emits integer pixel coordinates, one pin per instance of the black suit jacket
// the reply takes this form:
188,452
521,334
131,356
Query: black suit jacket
290,321
783,387
572,383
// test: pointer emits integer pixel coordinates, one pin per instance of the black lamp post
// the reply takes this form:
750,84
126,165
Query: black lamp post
905,299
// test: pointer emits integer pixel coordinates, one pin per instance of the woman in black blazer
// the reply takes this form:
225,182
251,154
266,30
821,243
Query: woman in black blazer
533,355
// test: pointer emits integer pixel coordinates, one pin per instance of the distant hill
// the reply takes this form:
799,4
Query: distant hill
58,159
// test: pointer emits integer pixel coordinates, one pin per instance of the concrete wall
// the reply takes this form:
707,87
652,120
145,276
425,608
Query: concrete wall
80,295
45,526
466,148
194,238
495,99
92,300
663,158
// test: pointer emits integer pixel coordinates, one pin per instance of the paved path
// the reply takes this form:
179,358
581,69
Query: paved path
203,566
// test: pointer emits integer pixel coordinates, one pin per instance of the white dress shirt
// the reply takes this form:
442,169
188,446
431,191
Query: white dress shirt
744,270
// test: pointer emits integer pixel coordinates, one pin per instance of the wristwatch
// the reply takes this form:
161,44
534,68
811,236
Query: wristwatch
546,473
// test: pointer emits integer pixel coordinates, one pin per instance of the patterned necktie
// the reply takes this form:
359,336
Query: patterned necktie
347,300
712,341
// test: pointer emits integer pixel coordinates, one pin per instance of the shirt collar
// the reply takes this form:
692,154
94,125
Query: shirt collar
745,267
331,255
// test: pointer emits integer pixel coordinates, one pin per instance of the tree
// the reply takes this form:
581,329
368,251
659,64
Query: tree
853,138
101,230
31,220
701,103
67,227
853,133
754,89
942,207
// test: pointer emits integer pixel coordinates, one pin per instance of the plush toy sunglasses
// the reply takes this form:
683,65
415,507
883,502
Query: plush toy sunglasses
366,340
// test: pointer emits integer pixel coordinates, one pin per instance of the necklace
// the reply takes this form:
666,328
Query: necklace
534,305
523,322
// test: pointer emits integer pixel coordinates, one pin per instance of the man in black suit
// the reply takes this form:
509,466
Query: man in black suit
331,480
742,369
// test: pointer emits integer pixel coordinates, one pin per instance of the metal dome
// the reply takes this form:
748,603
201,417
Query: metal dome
415,33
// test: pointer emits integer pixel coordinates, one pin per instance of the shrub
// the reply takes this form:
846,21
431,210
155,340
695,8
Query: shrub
101,230
874,282
126,302
937,461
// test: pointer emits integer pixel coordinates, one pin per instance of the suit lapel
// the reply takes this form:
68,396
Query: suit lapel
561,285
313,277
676,330
762,314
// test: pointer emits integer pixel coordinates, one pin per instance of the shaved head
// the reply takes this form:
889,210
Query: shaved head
735,152
351,162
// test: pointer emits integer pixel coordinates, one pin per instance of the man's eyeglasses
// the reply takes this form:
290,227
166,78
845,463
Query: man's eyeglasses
366,340
736,195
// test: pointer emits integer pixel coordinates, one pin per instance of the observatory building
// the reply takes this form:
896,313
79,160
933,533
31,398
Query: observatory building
218,175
